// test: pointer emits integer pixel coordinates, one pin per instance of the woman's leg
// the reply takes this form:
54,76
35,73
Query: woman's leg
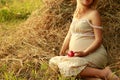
98,73
92,72
110,75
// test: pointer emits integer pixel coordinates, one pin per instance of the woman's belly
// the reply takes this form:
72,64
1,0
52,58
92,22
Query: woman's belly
80,43
98,57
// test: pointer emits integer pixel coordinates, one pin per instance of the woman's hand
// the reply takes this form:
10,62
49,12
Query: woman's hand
63,53
80,54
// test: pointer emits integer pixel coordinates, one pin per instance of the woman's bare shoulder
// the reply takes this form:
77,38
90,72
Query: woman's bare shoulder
95,13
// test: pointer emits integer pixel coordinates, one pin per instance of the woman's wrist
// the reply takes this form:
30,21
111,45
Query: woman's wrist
80,54
85,52
61,53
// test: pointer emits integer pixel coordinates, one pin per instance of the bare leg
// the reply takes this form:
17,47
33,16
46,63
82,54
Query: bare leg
92,72
98,73
110,75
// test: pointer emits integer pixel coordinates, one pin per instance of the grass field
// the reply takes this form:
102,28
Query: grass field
17,9
14,12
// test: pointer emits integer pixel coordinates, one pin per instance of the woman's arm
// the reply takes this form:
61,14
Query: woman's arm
95,19
97,32
65,43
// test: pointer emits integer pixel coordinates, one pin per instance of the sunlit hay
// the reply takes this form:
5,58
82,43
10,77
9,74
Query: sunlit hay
42,34
111,23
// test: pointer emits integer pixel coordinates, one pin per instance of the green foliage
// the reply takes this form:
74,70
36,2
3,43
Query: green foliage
5,14
4,2
44,66
17,9
3,68
9,76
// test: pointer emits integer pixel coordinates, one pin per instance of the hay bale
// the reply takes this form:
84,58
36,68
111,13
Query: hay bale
58,14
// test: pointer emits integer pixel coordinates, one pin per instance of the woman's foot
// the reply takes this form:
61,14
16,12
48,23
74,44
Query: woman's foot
110,75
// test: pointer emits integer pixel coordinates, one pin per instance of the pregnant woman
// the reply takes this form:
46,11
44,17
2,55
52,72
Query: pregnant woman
84,40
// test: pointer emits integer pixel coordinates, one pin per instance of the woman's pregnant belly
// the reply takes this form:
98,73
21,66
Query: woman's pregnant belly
79,43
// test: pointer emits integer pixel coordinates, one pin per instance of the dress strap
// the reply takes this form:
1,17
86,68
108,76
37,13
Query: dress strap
94,26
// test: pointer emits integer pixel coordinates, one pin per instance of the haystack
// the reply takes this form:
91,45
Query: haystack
42,34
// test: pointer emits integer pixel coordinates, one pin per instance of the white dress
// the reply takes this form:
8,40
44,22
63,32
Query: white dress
82,36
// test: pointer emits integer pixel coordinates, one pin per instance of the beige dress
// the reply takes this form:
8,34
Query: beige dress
82,36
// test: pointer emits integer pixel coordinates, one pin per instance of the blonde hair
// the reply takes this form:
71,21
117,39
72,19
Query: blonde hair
93,6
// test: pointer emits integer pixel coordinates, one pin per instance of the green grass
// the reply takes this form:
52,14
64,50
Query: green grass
9,76
15,12
18,9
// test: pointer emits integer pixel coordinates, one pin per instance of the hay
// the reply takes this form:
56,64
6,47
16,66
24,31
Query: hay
41,36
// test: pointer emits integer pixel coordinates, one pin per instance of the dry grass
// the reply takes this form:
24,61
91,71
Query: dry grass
29,47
